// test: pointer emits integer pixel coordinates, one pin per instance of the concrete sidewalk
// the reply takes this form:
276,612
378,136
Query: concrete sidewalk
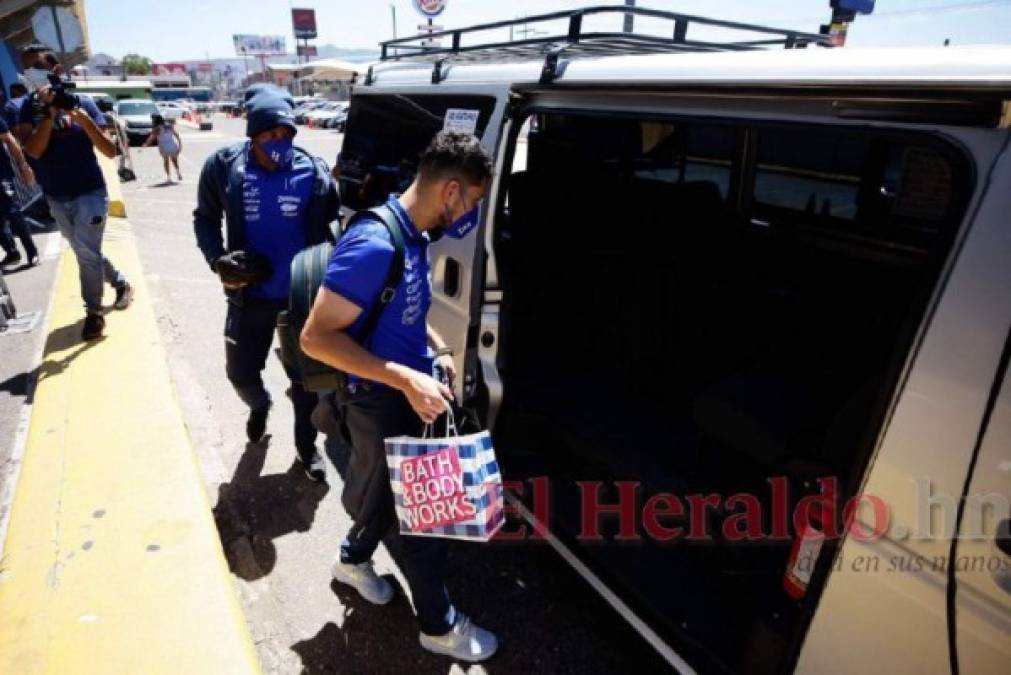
112,561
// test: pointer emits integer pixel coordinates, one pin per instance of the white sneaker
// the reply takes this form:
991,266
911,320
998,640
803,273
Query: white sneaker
364,579
466,641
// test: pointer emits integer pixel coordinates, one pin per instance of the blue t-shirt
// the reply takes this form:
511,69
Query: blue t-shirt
275,210
357,271
68,168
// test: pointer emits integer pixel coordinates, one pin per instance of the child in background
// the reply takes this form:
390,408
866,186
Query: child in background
169,144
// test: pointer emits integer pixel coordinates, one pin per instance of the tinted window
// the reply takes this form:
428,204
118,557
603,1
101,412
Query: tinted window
385,136
642,152
854,184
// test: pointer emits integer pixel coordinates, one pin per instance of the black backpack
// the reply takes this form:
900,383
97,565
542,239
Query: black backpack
307,272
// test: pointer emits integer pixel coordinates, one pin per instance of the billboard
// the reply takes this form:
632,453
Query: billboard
258,45
308,50
430,8
168,69
304,22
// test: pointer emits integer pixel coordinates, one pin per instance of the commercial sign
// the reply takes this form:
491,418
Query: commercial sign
168,69
258,45
308,50
430,8
304,22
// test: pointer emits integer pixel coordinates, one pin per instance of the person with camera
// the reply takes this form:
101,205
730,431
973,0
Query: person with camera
391,390
276,199
63,132
12,221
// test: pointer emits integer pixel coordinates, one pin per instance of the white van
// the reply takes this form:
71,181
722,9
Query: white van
719,282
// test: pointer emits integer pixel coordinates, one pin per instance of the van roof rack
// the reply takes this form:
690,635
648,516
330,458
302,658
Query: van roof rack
577,41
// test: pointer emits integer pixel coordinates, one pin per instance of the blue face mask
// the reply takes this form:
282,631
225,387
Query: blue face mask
462,226
281,151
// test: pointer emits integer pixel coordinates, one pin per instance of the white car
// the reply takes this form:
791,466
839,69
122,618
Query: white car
326,113
171,110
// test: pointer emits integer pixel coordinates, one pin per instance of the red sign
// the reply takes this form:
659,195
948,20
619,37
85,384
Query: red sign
304,22
430,8
307,50
434,494
168,69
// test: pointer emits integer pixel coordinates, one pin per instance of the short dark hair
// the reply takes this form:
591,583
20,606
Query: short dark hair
453,154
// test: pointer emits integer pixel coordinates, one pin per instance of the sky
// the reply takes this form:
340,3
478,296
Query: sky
195,29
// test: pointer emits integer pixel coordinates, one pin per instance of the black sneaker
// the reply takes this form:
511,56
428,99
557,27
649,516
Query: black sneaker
12,258
256,425
124,296
312,462
94,325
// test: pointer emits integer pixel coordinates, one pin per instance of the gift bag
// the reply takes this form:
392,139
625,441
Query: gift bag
446,487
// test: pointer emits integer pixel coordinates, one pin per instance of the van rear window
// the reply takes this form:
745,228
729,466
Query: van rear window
385,136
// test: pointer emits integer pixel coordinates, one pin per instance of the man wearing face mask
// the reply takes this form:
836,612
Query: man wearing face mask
61,136
391,391
276,200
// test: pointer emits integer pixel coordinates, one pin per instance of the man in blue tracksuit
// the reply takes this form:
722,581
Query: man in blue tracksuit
277,200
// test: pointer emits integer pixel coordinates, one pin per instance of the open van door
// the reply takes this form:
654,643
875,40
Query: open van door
387,129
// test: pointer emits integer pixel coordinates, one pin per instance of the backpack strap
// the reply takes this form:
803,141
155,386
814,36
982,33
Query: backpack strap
394,273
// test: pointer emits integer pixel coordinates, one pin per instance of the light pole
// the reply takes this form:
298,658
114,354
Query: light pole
393,10
629,17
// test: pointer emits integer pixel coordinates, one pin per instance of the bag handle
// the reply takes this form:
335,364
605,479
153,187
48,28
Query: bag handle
451,430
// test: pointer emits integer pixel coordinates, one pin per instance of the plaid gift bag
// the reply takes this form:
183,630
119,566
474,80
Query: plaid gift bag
446,487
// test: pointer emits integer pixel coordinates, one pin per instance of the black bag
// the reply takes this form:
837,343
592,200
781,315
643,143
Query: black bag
307,272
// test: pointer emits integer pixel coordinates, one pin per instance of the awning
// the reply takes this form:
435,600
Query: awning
330,70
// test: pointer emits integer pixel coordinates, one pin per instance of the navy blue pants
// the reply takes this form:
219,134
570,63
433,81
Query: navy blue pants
372,416
249,332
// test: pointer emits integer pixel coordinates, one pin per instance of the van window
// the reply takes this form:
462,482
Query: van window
892,190
385,136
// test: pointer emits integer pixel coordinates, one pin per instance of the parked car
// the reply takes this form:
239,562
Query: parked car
325,113
135,115
172,110
303,109
713,287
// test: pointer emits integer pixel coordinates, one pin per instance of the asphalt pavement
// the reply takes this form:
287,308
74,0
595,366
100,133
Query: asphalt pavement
280,532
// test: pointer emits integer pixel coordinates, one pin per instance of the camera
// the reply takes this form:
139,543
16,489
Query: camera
62,96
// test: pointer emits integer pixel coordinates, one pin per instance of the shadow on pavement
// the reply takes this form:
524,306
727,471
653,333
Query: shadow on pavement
253,510
547,619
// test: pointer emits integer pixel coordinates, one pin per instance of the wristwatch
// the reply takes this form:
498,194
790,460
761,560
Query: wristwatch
443,351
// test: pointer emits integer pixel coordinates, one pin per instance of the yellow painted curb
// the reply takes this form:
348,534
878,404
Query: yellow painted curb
112,561
117,206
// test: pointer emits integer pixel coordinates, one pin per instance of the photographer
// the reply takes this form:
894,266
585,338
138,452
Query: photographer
62,132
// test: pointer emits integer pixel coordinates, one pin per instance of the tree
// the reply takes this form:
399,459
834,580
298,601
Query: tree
135,64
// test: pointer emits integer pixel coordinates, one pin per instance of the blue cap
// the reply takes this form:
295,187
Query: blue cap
268,107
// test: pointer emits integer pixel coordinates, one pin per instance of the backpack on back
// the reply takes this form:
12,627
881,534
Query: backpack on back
307,272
